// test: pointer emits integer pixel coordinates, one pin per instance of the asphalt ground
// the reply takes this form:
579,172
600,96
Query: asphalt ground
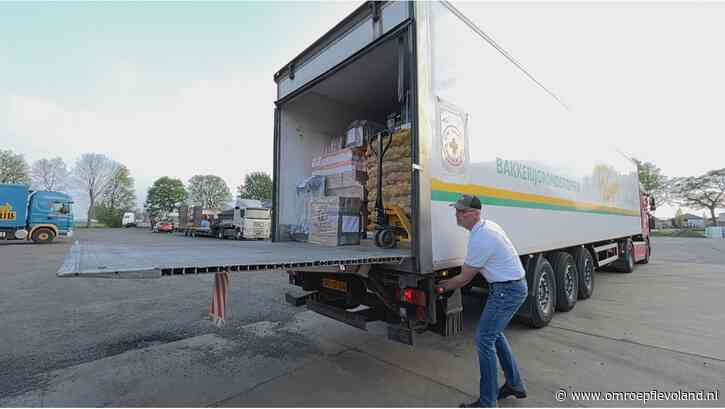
101,342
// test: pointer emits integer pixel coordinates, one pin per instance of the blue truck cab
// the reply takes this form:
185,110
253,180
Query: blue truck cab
40,216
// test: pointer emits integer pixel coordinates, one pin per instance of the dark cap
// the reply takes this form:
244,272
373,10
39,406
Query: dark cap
467,202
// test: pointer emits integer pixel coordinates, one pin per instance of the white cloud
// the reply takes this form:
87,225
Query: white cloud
221,126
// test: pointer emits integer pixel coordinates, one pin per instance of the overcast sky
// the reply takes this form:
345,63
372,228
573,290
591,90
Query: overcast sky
177,89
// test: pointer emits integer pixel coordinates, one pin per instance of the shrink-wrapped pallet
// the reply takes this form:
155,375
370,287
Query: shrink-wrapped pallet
307,190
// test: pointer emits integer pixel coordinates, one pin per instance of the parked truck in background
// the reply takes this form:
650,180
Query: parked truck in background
476,123
251,220
197,221
129,219
40,216
248,220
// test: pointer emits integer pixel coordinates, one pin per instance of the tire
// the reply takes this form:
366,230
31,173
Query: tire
585,269
385,239
43,235
627,265
542,295
567,280
220,235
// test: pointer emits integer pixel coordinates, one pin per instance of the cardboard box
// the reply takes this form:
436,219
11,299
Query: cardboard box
357,191
359,133
345,179
335,221
343,160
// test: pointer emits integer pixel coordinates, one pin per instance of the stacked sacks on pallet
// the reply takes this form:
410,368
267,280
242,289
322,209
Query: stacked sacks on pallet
397,172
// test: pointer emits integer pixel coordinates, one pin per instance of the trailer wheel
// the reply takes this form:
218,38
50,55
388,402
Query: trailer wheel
542,295
567,280
585,269
43,235
627,265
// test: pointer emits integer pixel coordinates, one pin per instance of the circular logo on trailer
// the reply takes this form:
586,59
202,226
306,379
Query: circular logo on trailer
453,146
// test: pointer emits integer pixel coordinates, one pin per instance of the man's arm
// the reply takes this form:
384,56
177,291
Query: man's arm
467,274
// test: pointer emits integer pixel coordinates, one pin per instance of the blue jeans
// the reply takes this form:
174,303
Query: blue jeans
504,299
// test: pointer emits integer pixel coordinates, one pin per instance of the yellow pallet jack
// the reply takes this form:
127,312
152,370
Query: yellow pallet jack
391,223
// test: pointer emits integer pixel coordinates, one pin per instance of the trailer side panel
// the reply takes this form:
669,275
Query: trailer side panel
500,135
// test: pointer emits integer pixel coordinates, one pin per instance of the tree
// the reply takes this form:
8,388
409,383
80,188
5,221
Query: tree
701,192
117,198
49,174
164,196
679,218
13,168
107,216
93,172
119,193
209,192
257,185
652,180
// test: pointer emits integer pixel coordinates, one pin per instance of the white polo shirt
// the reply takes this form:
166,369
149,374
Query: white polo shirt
491,251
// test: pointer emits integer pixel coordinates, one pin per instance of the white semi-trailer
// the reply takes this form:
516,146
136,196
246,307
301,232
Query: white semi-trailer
479,124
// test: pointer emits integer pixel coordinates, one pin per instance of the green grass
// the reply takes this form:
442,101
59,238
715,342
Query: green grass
679,233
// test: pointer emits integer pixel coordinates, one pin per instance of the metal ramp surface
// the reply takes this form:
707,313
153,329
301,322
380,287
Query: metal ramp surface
110,260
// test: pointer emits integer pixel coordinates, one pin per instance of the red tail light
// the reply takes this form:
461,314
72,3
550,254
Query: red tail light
412,296
408,295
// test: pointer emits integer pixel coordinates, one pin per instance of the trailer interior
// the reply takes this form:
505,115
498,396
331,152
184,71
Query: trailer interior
371,88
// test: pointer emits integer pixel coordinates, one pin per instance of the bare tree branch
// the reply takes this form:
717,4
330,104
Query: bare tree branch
50,174
93,172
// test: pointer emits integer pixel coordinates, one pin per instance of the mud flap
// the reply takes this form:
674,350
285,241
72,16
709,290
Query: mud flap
450,311
525,311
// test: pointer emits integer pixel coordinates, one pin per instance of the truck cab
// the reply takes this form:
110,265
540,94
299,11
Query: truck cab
129,219
40,216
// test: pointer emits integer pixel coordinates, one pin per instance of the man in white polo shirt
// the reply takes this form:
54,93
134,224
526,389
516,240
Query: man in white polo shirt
491,254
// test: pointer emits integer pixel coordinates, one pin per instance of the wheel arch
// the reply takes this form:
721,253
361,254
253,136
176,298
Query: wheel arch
35,227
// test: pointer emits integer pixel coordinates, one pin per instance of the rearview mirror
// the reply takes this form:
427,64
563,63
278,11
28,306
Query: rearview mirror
652,206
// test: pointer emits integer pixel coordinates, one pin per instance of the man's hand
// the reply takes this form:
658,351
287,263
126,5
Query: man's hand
467,274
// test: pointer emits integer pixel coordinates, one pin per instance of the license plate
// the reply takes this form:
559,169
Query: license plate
334,284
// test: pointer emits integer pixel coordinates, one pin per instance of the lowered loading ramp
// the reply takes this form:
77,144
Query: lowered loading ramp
157,260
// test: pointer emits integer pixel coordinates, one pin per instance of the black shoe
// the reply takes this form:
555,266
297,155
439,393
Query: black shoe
476,404
507,390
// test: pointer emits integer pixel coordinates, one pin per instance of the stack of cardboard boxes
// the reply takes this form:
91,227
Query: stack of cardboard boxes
348,176
336,217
